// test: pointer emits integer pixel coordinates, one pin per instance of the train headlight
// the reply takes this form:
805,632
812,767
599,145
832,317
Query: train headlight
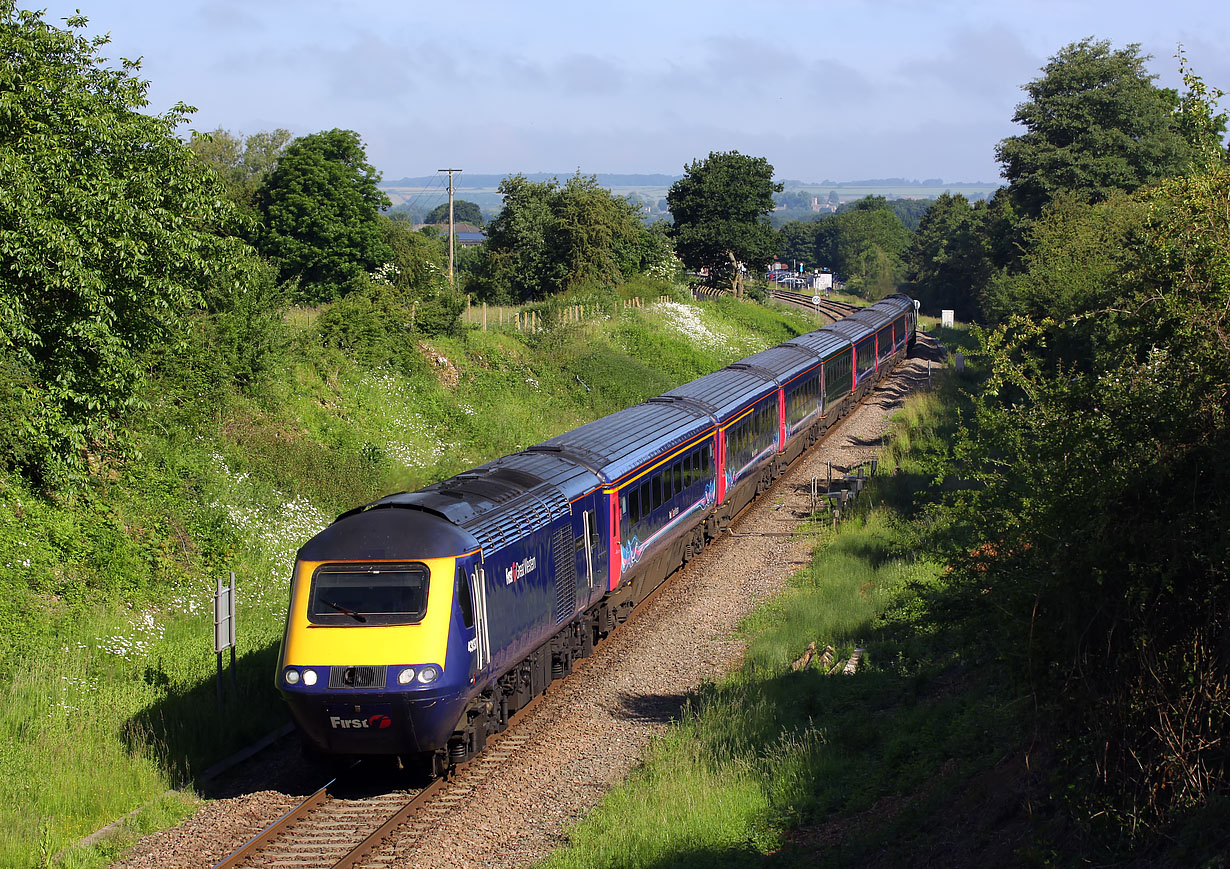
406,676
309,677
292,677
429,674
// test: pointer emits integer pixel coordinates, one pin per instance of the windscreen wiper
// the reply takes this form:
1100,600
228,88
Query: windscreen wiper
358,617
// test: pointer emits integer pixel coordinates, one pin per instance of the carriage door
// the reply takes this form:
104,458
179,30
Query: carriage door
591,554
479,642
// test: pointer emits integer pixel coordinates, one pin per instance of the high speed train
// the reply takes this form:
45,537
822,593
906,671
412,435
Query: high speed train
420,622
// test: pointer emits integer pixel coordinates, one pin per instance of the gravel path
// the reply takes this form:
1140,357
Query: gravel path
605,714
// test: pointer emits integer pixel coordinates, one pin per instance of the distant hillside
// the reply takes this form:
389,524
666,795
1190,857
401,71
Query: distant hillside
418,195
471,180
892,183
476,181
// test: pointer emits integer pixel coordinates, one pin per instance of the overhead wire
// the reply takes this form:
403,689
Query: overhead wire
437,188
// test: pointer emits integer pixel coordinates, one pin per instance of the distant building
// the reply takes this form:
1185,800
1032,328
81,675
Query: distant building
468,235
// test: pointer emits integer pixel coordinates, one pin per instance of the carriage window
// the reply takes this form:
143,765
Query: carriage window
657,491
464,600
677,473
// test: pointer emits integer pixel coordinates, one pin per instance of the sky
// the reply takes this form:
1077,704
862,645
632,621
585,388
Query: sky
824,89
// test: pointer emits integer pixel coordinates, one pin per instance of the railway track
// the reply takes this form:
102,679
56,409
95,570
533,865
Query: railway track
832,310
354,820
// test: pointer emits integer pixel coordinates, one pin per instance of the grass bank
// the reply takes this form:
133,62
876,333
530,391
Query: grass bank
777,766
106,656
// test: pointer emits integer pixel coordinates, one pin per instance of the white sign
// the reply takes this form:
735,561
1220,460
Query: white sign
947,318
815,300
224,616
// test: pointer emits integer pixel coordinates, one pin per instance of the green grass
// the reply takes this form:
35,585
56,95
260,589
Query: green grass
106,646
769,748
769,753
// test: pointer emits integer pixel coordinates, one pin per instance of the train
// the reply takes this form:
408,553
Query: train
419,623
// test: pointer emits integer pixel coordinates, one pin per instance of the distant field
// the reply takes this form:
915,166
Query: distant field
430,192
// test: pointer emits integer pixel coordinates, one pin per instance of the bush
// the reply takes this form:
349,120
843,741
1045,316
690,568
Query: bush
371,324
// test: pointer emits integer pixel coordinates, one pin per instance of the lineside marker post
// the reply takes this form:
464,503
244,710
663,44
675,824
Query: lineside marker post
224,632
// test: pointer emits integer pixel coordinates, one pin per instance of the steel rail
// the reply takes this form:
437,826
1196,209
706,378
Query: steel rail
271,832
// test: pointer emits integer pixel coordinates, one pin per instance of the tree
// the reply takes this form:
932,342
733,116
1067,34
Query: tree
866,244
320,210
463,212
719,210
106,239
798,242
518,257
1095,124
549,238
1099,498
908,211
417,270
598,235
241,163
948,263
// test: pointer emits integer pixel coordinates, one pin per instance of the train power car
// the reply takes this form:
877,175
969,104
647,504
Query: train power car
419,623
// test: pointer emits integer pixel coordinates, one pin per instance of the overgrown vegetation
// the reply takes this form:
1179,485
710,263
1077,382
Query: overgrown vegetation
776,765
105,644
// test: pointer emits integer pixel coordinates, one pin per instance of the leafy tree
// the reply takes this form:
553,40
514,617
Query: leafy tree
1095,125
798,241
908,211
242,164
417,271
1201,126
519,260
320,213
598,235
1099,502
416,261
719,209
1071,262
549,238
866,244
948,263
105,240
463,212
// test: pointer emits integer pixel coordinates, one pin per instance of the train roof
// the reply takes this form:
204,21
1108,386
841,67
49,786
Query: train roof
850,329
501,500
821,342
371,534
783,362
874,319
895,305
723,392
620,443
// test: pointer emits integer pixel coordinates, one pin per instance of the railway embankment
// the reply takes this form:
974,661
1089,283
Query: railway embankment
106,647
690,736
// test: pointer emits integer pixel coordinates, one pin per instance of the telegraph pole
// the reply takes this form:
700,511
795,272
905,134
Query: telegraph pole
450,172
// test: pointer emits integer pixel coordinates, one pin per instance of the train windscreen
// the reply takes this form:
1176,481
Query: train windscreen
368,594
